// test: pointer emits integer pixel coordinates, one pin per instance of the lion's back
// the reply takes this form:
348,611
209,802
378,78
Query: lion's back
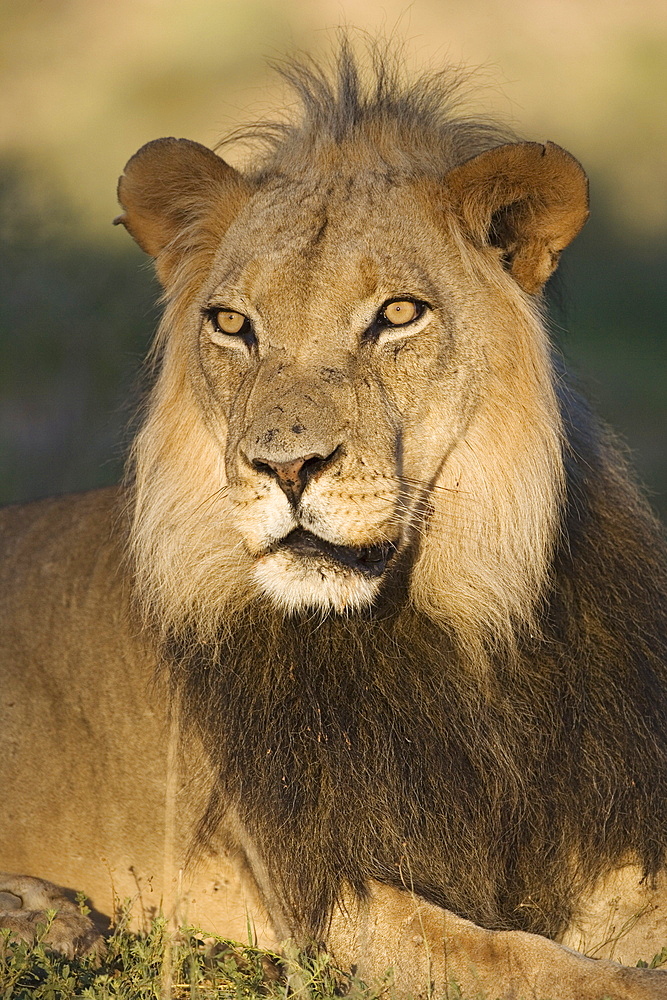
76,702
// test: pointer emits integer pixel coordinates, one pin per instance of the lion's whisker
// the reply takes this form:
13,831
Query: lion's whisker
222,491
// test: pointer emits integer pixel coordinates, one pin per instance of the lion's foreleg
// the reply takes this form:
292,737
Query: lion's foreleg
428,950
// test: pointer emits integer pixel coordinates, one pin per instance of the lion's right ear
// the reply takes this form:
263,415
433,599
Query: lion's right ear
529,200
178,198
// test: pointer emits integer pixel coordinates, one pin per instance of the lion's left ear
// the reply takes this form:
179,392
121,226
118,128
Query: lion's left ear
178,198
528,199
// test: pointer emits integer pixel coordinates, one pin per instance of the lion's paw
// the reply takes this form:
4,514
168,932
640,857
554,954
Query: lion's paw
25,903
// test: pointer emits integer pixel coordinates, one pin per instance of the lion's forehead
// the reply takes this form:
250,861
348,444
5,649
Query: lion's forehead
299,216
317,248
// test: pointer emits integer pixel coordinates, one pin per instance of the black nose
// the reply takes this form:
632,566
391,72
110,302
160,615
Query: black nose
294,476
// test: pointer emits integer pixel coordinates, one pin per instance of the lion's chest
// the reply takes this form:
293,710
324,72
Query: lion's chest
350,754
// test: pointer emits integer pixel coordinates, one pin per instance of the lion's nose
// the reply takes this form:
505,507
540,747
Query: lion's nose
293,476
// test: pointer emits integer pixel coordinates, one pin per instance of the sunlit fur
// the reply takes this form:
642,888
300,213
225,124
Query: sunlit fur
293,585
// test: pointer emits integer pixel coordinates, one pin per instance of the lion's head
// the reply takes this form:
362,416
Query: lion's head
354,374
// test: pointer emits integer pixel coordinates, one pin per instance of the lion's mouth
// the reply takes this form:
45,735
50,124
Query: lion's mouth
369,560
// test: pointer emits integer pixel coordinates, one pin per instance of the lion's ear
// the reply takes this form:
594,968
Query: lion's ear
178,197
528,199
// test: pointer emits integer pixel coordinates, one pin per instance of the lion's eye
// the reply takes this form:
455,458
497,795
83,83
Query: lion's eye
400,312
228,321
394,315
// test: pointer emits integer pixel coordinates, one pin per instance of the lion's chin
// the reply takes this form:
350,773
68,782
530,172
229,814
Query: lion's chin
303,572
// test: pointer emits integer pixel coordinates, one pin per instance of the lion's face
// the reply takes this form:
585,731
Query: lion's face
353,368
334,378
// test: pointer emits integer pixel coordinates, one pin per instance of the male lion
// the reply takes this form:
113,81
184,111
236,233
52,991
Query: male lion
407,606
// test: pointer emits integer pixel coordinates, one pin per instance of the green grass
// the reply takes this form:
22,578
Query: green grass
161,965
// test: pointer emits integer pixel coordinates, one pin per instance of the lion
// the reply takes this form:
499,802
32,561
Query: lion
369,648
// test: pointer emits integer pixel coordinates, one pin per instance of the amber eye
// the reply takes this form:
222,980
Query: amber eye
228,321
400,312
394,315
229,327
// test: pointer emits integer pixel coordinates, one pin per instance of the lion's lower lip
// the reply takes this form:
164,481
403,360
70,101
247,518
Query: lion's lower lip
369,560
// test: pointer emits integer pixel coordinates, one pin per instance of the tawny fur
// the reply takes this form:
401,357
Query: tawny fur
493,506
463,715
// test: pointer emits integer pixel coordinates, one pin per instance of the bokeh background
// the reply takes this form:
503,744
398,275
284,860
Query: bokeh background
84,83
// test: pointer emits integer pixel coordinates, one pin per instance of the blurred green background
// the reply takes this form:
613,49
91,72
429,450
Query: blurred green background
85,82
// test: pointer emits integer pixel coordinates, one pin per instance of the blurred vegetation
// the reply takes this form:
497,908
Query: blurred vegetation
609,314
75,321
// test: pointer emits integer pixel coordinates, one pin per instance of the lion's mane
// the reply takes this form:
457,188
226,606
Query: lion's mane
504,701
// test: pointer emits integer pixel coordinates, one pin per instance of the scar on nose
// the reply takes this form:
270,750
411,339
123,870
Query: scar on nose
332,375
297,429
267,437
